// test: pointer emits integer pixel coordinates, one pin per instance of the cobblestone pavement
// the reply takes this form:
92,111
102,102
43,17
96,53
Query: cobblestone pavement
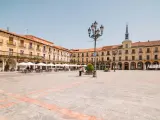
121,95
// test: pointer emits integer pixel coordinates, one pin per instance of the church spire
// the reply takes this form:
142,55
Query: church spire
126,34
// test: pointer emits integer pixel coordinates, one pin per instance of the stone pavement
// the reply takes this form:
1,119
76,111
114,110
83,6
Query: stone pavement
121,95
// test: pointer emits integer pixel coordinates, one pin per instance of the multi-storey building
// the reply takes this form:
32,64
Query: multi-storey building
130,56
15,48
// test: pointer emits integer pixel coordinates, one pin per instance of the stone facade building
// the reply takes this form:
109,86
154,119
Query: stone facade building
15,48
130,55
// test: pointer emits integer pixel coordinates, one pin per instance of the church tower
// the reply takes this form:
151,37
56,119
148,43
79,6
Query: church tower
127,43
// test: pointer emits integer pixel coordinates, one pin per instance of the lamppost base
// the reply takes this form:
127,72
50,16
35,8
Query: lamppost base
94,74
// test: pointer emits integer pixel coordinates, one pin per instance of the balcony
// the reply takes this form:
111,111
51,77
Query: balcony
148,52
50,52
38,49
22,46
18,55
9,43
44,51
30,47
133,52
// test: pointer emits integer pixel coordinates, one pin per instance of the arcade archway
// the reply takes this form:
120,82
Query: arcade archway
133,66
126,66
10,64
140,65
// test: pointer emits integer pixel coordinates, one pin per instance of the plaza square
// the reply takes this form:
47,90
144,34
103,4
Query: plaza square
123,95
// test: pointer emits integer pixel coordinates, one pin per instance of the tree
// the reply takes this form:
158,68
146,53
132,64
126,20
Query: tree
89,67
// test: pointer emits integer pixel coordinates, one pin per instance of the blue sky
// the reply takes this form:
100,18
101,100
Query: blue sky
65,22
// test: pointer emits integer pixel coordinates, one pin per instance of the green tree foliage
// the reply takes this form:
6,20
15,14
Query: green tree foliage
89,67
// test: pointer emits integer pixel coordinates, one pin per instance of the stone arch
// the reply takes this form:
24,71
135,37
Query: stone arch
140,65
126,66
10,64
155,63
1,64
120,66
147,64
133,66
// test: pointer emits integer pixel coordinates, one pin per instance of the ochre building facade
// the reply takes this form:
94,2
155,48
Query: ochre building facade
129,56
15,48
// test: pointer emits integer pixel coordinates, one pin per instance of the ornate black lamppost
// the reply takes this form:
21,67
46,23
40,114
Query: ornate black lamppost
96,33
114,52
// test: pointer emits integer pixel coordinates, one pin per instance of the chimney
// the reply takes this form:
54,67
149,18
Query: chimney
148,40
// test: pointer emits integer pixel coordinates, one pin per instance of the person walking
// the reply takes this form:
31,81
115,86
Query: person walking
80,71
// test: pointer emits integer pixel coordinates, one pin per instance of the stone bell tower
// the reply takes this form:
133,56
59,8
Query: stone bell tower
127,43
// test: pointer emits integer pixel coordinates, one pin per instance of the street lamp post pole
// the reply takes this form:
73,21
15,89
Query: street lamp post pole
95,35
95,60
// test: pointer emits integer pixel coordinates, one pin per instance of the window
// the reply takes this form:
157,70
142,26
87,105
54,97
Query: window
102,53
126,45
44,55
44,48
21,52
10,51
49,57
107,58
82,59
49,49
30,45
119,58
133,57
148,50
120,52
21,42
108,53
37,47
87,55
126,52
82,55
126,57
140,57
147,57
102,59
92,59
86,59
133,51
156,49
140,50
10,40
97,59
156,57
78,54
113,58
30,53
